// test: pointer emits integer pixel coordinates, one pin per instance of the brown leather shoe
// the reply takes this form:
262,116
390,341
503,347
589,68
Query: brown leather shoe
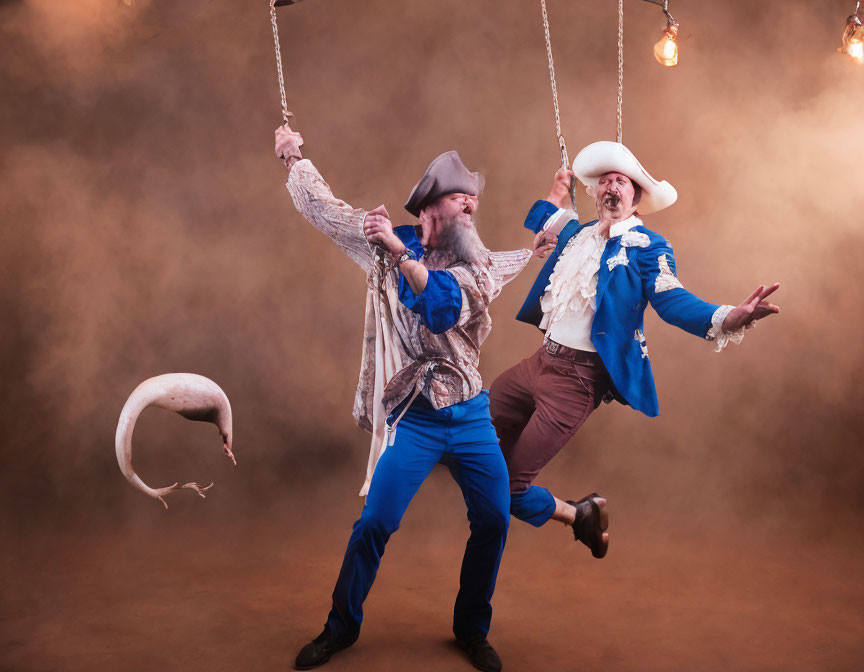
591,522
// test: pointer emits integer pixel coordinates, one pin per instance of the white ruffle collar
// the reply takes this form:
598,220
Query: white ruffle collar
619,228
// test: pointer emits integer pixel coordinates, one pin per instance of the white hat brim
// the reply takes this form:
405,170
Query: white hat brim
603,157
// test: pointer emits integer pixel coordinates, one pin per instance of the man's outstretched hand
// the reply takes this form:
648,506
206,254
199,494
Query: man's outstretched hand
544,243
753,308
288,144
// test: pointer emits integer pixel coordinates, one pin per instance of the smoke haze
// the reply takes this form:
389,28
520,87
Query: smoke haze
146,230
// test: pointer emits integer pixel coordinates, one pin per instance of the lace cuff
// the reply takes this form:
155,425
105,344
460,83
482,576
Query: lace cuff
558,219
723,338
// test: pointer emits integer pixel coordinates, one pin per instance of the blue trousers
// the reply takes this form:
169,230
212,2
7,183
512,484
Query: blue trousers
462,438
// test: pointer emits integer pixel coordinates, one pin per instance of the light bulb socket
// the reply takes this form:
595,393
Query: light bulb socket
853,32
853,39
664,5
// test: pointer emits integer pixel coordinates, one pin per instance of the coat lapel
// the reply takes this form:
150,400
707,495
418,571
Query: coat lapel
613,245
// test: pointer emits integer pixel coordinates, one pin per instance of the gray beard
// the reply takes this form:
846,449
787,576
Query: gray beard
458,236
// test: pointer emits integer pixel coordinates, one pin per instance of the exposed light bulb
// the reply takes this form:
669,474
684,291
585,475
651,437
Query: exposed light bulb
855,49
853,38
666,49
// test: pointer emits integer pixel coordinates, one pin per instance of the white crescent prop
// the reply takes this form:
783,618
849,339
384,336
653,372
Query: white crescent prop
192,396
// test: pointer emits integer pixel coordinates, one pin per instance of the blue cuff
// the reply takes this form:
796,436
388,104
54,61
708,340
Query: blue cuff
538,214
534,505
438,305
408,236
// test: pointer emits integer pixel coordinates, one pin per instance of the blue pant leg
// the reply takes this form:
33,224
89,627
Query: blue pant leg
476,463
534,505
398,475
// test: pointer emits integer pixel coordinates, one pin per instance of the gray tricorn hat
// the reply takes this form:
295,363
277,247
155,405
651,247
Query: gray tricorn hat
445,175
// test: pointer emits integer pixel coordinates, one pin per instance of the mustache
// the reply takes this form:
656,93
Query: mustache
612,199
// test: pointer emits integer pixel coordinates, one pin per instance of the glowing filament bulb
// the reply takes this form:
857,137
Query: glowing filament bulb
666,49
855,49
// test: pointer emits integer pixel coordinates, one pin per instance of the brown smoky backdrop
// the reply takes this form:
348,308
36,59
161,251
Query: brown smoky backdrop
146,229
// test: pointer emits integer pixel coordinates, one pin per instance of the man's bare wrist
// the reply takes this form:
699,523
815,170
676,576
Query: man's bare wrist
556,199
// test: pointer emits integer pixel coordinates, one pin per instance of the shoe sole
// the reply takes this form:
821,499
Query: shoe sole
598,506
312,667
464,648
601,523
323,662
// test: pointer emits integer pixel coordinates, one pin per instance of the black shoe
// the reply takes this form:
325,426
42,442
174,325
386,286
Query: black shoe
318,651
482,655
591,522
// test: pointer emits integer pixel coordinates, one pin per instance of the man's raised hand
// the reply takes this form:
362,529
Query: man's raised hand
753,308
288,144
560,192
379,230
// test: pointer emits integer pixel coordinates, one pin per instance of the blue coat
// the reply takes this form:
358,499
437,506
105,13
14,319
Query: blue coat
624,288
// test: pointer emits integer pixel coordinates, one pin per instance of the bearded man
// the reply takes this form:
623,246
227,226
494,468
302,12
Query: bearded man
420,393
589,300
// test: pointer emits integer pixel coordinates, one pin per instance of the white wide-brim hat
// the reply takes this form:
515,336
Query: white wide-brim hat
603,157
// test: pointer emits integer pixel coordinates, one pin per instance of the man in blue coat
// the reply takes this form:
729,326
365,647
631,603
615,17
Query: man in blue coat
589,300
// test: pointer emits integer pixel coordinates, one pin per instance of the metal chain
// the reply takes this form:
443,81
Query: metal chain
286,115
620,69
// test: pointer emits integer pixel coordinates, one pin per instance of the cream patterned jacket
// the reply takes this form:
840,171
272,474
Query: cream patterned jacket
401,357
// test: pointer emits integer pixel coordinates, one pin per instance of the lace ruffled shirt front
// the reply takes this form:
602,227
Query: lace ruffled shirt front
569,301
570,298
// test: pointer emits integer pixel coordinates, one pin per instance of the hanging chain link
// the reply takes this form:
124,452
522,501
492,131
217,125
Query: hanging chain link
286,115
565,160
620,70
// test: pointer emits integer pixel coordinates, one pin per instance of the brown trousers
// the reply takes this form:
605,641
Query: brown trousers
539,404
